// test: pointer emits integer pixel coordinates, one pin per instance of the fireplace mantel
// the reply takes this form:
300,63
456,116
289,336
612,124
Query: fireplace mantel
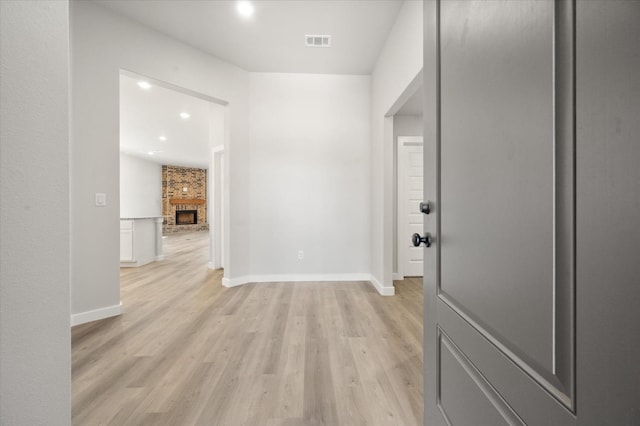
186,201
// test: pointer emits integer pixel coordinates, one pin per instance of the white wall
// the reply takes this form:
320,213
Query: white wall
35,339
218,128
407,125
140,187
310,176
399,66
403,125
102,44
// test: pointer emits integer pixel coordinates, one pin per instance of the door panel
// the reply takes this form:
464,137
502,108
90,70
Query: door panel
524,394
465,397
505,211
497,174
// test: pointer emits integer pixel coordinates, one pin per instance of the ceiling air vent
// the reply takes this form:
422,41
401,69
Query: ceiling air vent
317,40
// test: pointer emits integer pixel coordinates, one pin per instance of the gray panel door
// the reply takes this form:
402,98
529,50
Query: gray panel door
500,315
608,237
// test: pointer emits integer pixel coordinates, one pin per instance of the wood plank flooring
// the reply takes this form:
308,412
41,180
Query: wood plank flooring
187,351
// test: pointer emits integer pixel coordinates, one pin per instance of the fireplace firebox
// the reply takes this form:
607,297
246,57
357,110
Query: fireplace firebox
186,217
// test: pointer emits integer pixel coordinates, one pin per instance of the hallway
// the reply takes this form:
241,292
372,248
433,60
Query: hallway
189,351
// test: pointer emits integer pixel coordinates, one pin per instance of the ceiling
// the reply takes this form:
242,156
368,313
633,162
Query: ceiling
272,40
146,115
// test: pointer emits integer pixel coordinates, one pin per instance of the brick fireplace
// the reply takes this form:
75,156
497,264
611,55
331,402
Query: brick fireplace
186,217
184,199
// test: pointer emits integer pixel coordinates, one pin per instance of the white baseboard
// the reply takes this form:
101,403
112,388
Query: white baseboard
159,258
138,263
233,282
212,265
384,291
96,314
308,277
277,278
398,276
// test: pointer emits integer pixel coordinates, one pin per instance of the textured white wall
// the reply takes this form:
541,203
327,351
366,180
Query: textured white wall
310,175
34,220
407,125
398,65
102,44
140,187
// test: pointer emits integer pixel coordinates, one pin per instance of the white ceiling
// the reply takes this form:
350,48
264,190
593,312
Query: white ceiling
272,40
145,115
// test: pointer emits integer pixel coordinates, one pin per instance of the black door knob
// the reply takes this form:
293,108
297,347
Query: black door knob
418,239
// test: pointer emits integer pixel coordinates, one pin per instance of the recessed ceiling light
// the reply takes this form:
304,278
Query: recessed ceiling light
163,138
144,85
245,8
185,115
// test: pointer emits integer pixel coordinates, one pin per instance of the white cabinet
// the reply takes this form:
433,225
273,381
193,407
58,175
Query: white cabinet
126,241
140,241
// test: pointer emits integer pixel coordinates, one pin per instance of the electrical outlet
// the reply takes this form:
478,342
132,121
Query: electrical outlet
300,254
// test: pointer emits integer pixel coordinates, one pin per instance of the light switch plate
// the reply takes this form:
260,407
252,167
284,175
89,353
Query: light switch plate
101,199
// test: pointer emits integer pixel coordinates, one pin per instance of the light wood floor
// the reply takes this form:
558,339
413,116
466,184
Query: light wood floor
188,351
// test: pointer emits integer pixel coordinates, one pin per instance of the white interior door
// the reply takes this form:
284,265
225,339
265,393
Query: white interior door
410,190
222,218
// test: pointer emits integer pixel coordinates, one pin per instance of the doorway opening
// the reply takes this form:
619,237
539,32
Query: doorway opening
171,170
406,118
